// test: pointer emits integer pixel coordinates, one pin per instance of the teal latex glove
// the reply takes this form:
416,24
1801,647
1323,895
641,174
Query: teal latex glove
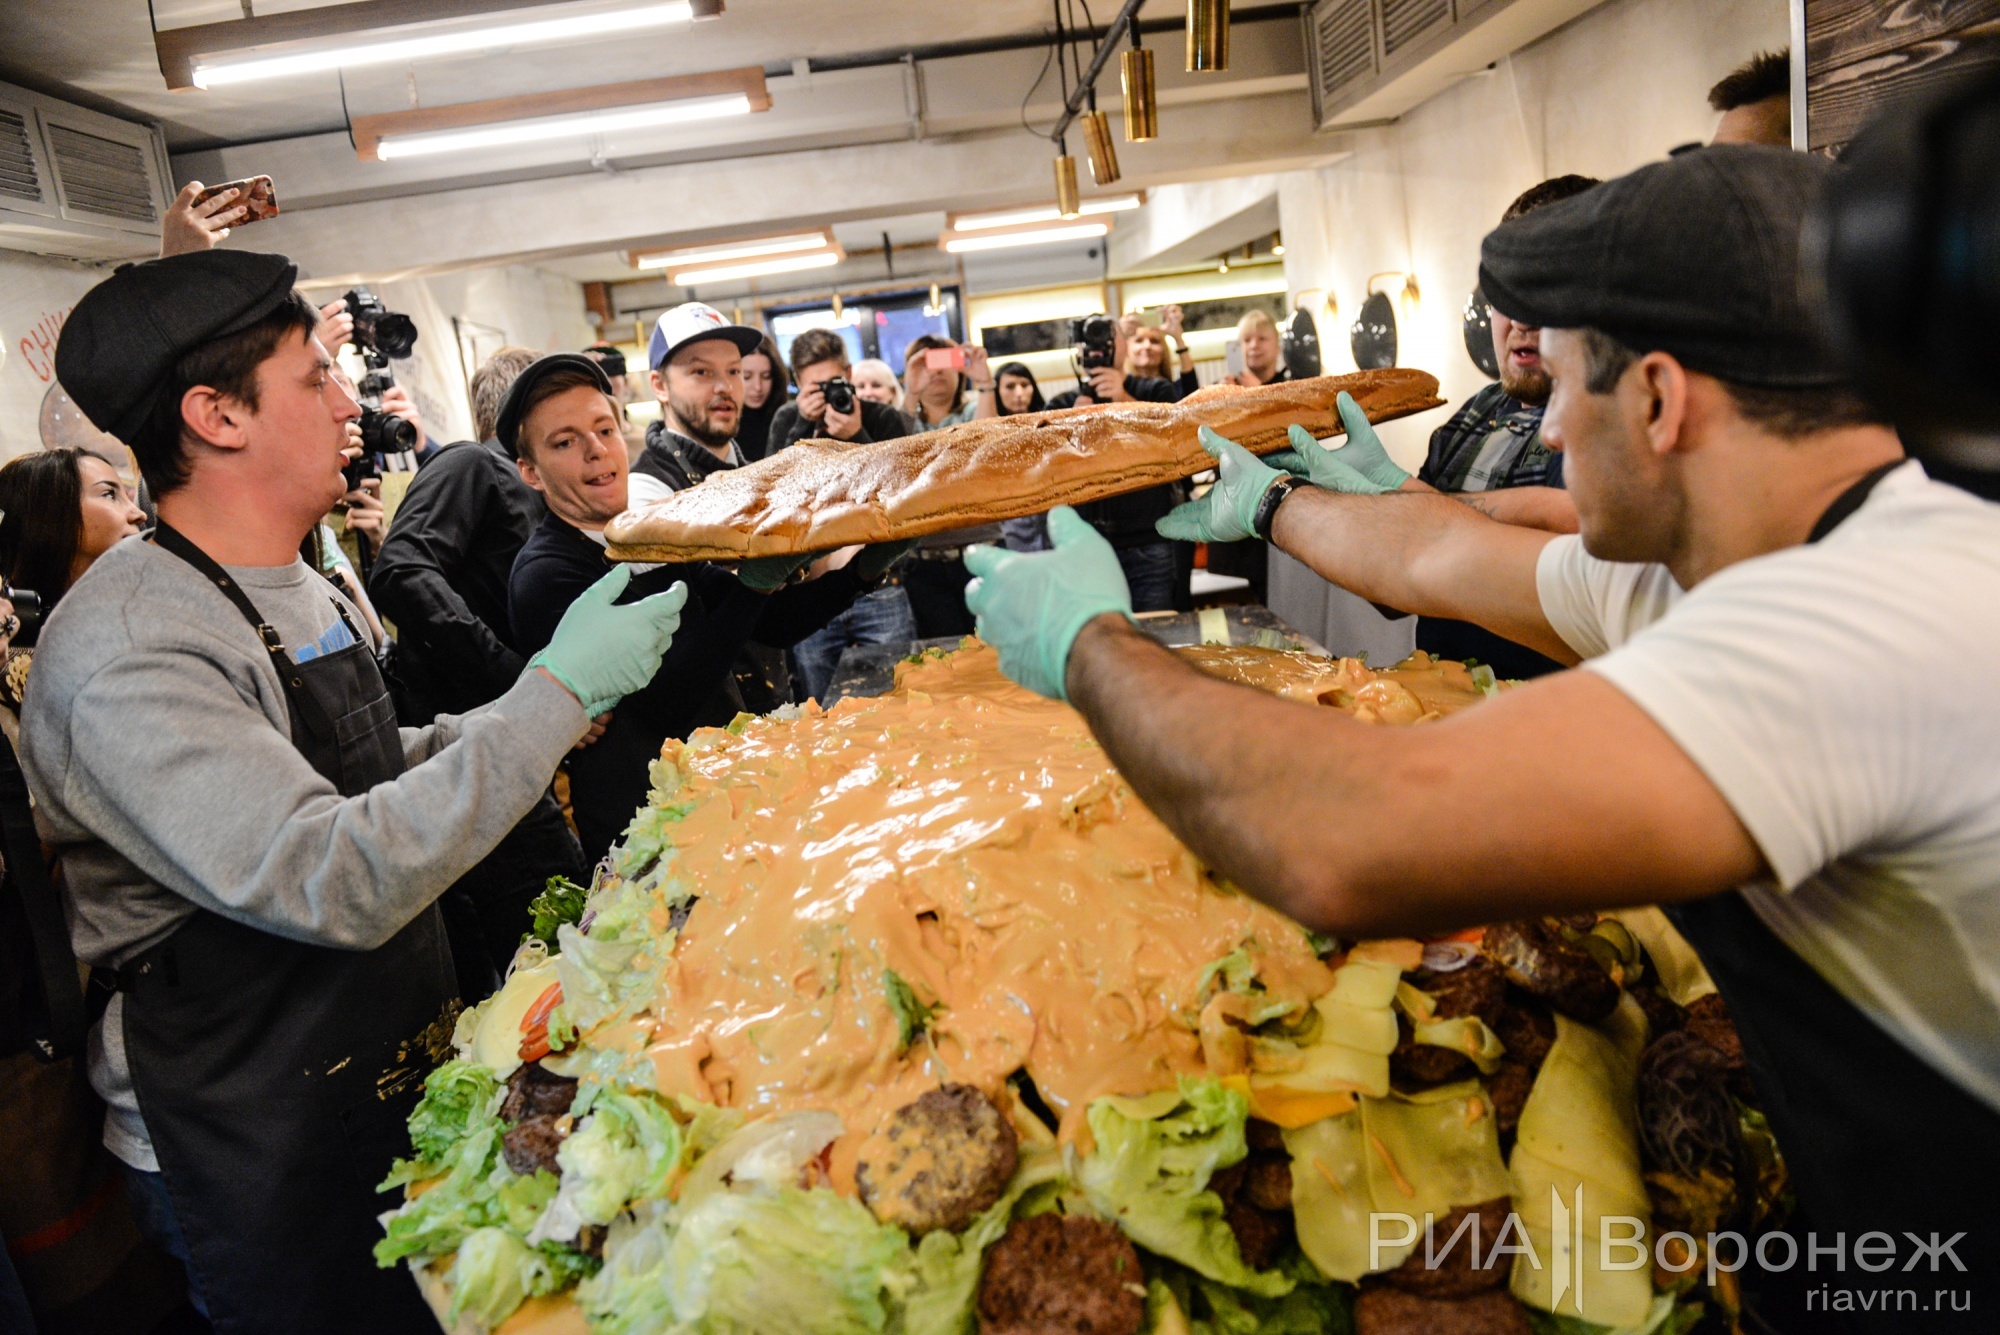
1363,451
1228,511
770,572
1309,459
603,652
877,557
1031,605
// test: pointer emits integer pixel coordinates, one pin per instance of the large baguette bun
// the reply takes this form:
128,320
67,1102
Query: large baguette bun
819,495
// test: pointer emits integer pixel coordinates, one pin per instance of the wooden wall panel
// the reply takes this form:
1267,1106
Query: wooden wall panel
1862,55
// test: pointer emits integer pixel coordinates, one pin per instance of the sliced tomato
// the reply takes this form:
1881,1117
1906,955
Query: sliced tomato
535,1024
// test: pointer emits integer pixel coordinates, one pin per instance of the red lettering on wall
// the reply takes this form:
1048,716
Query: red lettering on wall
38,345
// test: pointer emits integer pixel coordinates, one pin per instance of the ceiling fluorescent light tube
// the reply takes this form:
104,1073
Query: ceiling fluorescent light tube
756,269
979,222
740,250
1041,237
544,128
388,47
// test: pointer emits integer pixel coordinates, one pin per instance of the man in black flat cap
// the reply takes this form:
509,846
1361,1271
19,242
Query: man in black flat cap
251,848
1777,736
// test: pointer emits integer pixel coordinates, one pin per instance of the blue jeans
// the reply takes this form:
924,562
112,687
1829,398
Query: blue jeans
882,617
1150,572
153,1212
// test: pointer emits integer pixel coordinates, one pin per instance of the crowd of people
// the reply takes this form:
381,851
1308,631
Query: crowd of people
339,783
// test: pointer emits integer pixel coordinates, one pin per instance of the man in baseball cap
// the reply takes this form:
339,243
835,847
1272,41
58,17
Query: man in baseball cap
1782,621
251,848
696,357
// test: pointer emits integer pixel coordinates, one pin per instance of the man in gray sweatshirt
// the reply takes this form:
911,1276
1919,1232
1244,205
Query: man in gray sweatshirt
250,847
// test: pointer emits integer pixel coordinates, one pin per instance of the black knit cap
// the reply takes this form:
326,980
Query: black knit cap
521,393
119,346
1696,256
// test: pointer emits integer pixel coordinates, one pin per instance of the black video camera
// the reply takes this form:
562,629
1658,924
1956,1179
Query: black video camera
380,334
27,604
1096,339
838,393
1905,251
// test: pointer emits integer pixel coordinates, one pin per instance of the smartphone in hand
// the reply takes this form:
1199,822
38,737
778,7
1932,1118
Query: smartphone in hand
945,359
257,197
1233,356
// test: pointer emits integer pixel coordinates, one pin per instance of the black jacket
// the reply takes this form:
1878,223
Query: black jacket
694,686
1127,521
878,422
675,459
442,578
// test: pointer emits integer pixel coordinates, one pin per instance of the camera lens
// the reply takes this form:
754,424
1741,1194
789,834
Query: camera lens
395,335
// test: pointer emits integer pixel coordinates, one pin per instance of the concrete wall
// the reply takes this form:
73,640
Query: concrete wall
463,317
1609,92
36,295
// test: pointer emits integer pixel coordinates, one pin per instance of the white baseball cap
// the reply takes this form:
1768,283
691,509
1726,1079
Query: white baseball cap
690,322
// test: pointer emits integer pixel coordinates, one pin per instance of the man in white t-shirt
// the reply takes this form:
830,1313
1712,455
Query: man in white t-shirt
1790,634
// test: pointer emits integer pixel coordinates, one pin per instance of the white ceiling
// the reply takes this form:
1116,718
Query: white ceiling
105,48
962,114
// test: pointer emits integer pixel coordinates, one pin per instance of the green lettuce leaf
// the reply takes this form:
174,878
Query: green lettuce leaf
561,902
1151,1177
913,1017
495,1272
459,1097
947,1265
1314,1307
624,1149
477,1191
811,1262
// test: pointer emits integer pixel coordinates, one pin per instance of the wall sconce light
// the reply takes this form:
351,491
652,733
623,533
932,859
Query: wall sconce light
1068,197
1207,36
1222,265
1142,105
1411,292
1278,243
837,312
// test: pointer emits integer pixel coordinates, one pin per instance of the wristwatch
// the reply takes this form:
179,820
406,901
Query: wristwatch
1267,508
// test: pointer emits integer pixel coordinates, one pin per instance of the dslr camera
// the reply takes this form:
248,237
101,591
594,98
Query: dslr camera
380,334
27,604
1096,339
838,393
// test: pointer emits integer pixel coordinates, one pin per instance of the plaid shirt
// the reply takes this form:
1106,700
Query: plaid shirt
1493,442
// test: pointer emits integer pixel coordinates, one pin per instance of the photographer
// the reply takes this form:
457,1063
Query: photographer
1153,572
1100,357
828,404
250,847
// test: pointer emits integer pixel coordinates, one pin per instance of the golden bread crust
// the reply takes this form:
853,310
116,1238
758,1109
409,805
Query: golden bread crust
819,495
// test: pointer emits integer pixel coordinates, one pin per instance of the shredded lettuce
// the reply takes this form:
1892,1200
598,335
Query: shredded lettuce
625,1148
1237,971
459,1097
1151,1177
495,1272
788,1260
478,1190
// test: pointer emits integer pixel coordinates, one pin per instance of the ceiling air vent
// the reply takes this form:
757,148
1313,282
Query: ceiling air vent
1372,60
77,183
1341,37
19,178
1404,21
102,176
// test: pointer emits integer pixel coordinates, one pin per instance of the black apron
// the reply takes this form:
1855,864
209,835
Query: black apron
275,1077
1876,1140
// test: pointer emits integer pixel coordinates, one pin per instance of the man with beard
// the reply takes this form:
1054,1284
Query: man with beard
697,375
1491,456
